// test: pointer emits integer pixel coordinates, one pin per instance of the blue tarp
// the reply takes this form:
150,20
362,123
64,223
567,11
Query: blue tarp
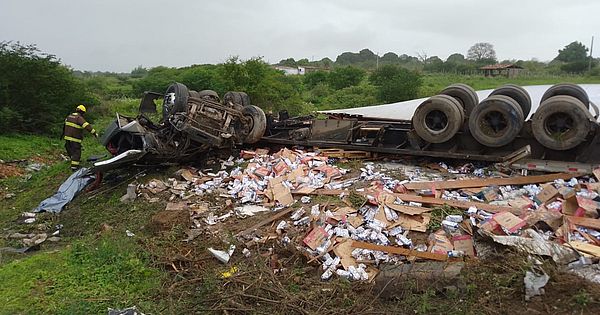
67,191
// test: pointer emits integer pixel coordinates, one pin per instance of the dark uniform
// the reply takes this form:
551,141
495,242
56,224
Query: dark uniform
73,134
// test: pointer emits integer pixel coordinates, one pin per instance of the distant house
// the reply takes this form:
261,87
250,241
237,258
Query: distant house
508,70
288,70
300,70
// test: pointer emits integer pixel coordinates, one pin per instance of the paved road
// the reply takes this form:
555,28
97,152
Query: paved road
404,110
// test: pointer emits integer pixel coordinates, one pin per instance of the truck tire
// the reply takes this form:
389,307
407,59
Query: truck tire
239,98
569,89
258,124
209,93
181,99
438,119
518,94
195,94
465,95
561,123
496,121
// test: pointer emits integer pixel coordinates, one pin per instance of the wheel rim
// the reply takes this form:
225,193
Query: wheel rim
436,120
493,123
558,125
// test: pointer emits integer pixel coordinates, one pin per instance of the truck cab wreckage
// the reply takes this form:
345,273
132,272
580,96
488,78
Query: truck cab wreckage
561,135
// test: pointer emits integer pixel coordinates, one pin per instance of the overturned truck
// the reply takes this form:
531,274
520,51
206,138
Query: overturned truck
453,124
191,124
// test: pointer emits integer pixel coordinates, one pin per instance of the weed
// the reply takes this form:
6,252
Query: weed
582,298
439,214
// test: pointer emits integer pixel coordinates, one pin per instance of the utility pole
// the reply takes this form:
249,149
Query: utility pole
377,63
591,57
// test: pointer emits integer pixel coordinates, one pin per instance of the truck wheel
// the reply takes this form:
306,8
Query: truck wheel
194,94
258,124
438,118
561,123
239,98
209,93
496,121
518,94
465,95
178,103
569,89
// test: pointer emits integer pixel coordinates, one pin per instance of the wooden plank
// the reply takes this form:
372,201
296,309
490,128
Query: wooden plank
426,200
585,222
586,248
264,222
400,251
458,203
484,182
323,192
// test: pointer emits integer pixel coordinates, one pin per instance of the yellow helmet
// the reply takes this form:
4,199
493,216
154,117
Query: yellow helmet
81,108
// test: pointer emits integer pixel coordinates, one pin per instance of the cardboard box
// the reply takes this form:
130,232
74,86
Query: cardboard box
464,243
509,221
547,194
315,237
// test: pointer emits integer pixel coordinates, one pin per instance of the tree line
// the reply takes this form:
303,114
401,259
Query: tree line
573,58
37,91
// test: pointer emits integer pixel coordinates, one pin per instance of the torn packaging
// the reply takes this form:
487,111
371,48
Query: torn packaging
464,243
389,201
417,223
316,237
580,207
344,251
281,193
548,193
439,243
534,243
509,222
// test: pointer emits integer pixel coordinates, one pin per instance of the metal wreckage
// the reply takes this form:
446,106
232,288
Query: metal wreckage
562,134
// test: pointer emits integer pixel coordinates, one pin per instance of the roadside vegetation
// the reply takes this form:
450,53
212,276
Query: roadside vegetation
96,265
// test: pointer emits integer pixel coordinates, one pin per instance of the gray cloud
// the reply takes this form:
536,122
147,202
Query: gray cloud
118,35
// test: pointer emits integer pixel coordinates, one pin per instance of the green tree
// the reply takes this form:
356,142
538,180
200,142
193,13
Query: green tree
139,72
573,52
482,53
395,84
456,58
290,62
352,96
315,78
200,78
343,77
574,57
157,80
36,91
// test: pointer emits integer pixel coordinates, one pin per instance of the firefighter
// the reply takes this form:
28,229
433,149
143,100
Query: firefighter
73,134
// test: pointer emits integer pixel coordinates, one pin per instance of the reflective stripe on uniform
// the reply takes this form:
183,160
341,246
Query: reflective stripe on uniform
85,124
72,139
74,125
74,162
93,131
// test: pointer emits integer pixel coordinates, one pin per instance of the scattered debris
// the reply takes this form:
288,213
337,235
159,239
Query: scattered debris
222,256
130,195
534,284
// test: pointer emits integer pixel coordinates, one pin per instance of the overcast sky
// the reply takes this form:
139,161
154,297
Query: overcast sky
118,35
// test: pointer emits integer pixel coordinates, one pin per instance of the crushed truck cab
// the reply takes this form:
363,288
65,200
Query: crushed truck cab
192,123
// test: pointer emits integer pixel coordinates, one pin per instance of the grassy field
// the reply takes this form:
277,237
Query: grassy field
96,265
